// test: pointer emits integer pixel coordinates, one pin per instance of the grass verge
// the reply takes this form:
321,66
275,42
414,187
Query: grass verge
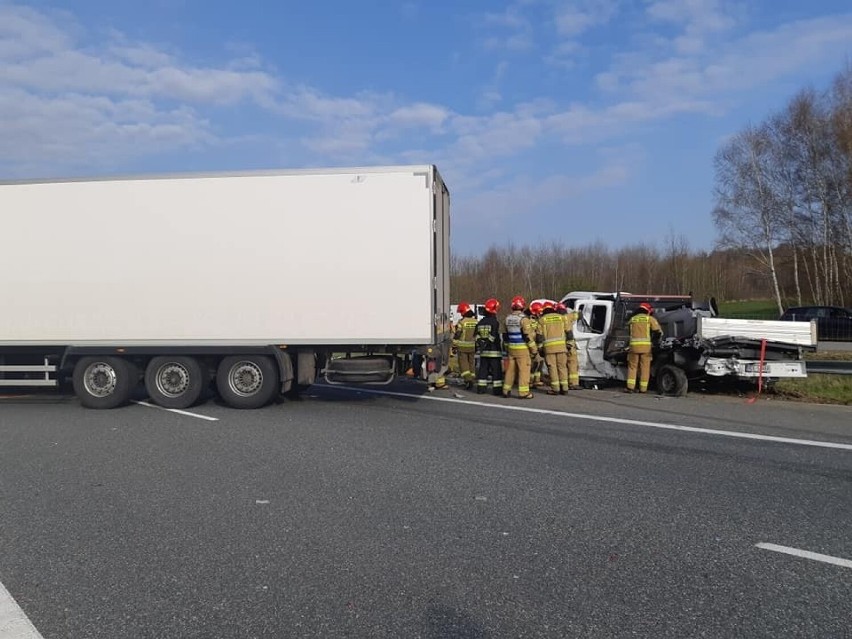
763,309
830,356
827,389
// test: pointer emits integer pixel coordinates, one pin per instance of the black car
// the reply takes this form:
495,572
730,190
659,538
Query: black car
833,322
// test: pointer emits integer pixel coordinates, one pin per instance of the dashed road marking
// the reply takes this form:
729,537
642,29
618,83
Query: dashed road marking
14,623
796,552
615,420
179,412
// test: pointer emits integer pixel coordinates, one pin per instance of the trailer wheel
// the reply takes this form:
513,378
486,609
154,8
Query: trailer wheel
247,382
174,382
672,381
104,382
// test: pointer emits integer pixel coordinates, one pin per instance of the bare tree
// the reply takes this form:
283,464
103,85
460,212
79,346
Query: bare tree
747,210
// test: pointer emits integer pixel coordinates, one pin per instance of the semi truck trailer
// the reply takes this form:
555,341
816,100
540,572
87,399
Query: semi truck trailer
252,284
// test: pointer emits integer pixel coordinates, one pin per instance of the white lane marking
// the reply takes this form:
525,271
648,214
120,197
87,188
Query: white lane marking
179,412
615,420
14,623
828,559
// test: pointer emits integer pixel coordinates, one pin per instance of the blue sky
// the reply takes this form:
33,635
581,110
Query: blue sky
573,121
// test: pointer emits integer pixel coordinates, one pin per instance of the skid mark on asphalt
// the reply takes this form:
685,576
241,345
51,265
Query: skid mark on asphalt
178,411
14,623
806,554
613,420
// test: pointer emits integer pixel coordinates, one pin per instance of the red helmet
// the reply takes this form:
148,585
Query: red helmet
518,303
536,308
492,305
463,308
561,307
646,307
548,305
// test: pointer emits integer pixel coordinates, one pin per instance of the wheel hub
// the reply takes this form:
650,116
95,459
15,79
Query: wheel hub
172,379
100,379
245,379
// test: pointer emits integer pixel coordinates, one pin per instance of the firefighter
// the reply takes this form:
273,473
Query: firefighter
465,344
533,312
643,329
569,315
490,349
552,330
520,344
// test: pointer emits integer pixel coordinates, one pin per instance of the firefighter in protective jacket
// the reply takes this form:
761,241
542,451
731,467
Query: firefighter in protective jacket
552,330
534,312
464,341
520,344
643,328
490,349
570,317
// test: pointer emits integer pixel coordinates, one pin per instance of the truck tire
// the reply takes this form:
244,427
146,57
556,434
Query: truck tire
361,370
672,381
104,382
174,382
247,382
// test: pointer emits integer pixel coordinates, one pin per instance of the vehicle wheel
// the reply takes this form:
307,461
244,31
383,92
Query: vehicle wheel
360,370
672,381
104,382
247,382
174,382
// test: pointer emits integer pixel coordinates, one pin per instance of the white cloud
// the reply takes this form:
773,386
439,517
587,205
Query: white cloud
68,104
575,18
310,104
740,63
55,134
24,32
78,104
420,115
36,55
509,30
565,54
706,15
525,194
500,134
701,20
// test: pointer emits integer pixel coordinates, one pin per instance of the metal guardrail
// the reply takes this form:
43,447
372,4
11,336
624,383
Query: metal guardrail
829,368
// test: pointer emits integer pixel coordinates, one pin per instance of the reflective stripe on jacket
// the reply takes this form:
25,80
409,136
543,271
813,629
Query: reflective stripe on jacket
465,335
488,341
519,337
552,328
641,326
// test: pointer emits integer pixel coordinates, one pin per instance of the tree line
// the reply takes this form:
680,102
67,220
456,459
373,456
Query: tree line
554,270
783,212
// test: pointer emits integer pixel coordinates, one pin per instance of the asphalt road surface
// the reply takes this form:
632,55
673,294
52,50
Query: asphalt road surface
353,514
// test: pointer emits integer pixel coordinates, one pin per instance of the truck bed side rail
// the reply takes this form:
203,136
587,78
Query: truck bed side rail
798,333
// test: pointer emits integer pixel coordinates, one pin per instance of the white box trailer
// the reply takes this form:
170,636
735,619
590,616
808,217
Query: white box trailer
258,280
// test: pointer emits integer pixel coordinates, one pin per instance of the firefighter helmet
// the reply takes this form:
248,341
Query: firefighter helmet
644,306
548,305
561,308
535,308
463,308
518,303
492,305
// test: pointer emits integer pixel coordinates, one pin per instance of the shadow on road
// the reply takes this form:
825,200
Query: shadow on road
445,621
